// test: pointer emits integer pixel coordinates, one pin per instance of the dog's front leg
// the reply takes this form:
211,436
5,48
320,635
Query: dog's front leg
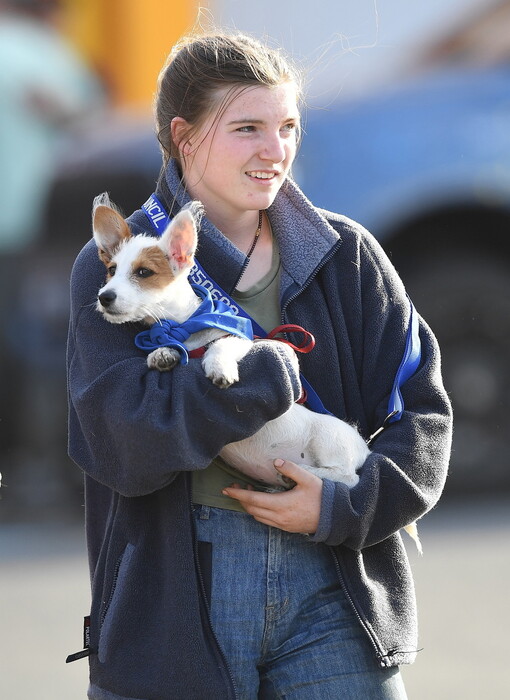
221,360
163,359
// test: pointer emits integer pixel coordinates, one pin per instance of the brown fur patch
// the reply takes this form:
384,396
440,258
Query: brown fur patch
111,229
153,259
104,256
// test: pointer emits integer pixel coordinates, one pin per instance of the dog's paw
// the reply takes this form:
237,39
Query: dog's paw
163,359
222,374
223,381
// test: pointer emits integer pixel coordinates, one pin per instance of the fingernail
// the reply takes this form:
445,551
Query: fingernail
278,463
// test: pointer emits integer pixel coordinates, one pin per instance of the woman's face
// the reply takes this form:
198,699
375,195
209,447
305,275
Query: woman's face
242,158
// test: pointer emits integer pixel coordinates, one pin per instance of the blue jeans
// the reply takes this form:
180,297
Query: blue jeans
286,628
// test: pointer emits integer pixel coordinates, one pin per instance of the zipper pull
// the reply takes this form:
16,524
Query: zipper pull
86,643
78,655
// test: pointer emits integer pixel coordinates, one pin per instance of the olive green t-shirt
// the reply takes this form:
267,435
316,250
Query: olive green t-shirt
261,302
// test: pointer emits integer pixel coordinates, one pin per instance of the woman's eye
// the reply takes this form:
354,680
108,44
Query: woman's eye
112,270
246,129
144,272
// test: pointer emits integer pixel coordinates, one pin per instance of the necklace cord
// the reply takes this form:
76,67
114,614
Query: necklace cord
250,252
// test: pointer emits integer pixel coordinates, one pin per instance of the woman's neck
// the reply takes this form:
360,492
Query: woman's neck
240,230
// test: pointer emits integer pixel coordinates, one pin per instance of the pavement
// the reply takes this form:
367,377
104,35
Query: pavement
462,584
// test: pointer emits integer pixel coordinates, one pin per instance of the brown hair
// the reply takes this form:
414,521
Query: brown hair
199,66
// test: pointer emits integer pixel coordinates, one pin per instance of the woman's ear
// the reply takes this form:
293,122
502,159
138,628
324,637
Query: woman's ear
180,130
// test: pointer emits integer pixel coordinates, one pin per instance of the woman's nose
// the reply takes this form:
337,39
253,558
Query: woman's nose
274,148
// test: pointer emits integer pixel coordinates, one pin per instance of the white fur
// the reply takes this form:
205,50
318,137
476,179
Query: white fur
322,444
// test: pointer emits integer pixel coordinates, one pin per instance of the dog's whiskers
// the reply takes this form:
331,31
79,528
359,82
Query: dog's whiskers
151,312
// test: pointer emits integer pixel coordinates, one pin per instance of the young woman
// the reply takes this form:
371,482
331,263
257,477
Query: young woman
203,586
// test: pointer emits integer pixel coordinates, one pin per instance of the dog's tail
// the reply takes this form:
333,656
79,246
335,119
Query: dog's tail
412,531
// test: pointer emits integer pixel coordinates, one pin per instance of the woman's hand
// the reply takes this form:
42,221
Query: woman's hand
297,510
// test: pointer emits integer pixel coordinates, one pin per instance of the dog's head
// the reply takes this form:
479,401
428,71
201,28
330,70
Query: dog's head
145,275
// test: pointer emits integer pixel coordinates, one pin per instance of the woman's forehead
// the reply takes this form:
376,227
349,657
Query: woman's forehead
258,103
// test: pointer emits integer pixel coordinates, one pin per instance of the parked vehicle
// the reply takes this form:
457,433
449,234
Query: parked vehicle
426,168
124,160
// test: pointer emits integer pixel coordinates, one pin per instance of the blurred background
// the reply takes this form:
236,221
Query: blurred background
407,130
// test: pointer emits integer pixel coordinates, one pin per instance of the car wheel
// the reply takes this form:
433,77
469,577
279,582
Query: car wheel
466,301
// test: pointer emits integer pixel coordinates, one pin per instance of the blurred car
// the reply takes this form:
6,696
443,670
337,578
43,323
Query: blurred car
122,158
425,166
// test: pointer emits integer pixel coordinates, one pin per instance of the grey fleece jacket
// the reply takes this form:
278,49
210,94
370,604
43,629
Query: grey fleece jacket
138,434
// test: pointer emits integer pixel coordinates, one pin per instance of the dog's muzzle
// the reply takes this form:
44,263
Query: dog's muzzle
107,298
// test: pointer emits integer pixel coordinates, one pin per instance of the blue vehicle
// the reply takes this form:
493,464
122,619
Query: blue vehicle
426,168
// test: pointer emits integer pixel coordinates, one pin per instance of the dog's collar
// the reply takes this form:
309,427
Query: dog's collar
210,314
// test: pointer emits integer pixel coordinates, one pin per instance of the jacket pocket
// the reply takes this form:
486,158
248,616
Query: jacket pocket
113,604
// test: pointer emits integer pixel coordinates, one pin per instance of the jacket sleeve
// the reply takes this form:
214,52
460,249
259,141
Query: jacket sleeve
132,428
404,475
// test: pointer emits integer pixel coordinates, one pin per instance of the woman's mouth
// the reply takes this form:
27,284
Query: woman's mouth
261,175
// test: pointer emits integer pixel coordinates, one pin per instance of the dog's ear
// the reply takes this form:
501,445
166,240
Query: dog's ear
109,227
180,239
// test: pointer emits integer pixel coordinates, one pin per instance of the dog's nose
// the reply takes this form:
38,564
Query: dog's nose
107,298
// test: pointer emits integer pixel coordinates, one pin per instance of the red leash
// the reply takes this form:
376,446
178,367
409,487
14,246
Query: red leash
305,346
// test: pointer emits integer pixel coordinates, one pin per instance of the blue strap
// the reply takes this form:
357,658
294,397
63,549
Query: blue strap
157,215
210,314
408,366
159,219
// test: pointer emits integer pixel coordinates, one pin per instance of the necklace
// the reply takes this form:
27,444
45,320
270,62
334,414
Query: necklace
255,239
252,248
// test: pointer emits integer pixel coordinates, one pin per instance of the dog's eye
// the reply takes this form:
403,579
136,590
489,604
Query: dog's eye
144,272
112,270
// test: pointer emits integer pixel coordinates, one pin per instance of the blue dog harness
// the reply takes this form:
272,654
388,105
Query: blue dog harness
210,314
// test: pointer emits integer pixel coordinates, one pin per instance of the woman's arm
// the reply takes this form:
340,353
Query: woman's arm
404,475
132,428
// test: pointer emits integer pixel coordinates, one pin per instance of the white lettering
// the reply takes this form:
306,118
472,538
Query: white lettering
198,276
151,204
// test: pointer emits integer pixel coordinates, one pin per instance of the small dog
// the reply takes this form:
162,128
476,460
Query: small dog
147,281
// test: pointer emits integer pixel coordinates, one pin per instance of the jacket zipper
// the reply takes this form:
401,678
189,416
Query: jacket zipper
112,590
310,279
241,273
372,638
218,648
